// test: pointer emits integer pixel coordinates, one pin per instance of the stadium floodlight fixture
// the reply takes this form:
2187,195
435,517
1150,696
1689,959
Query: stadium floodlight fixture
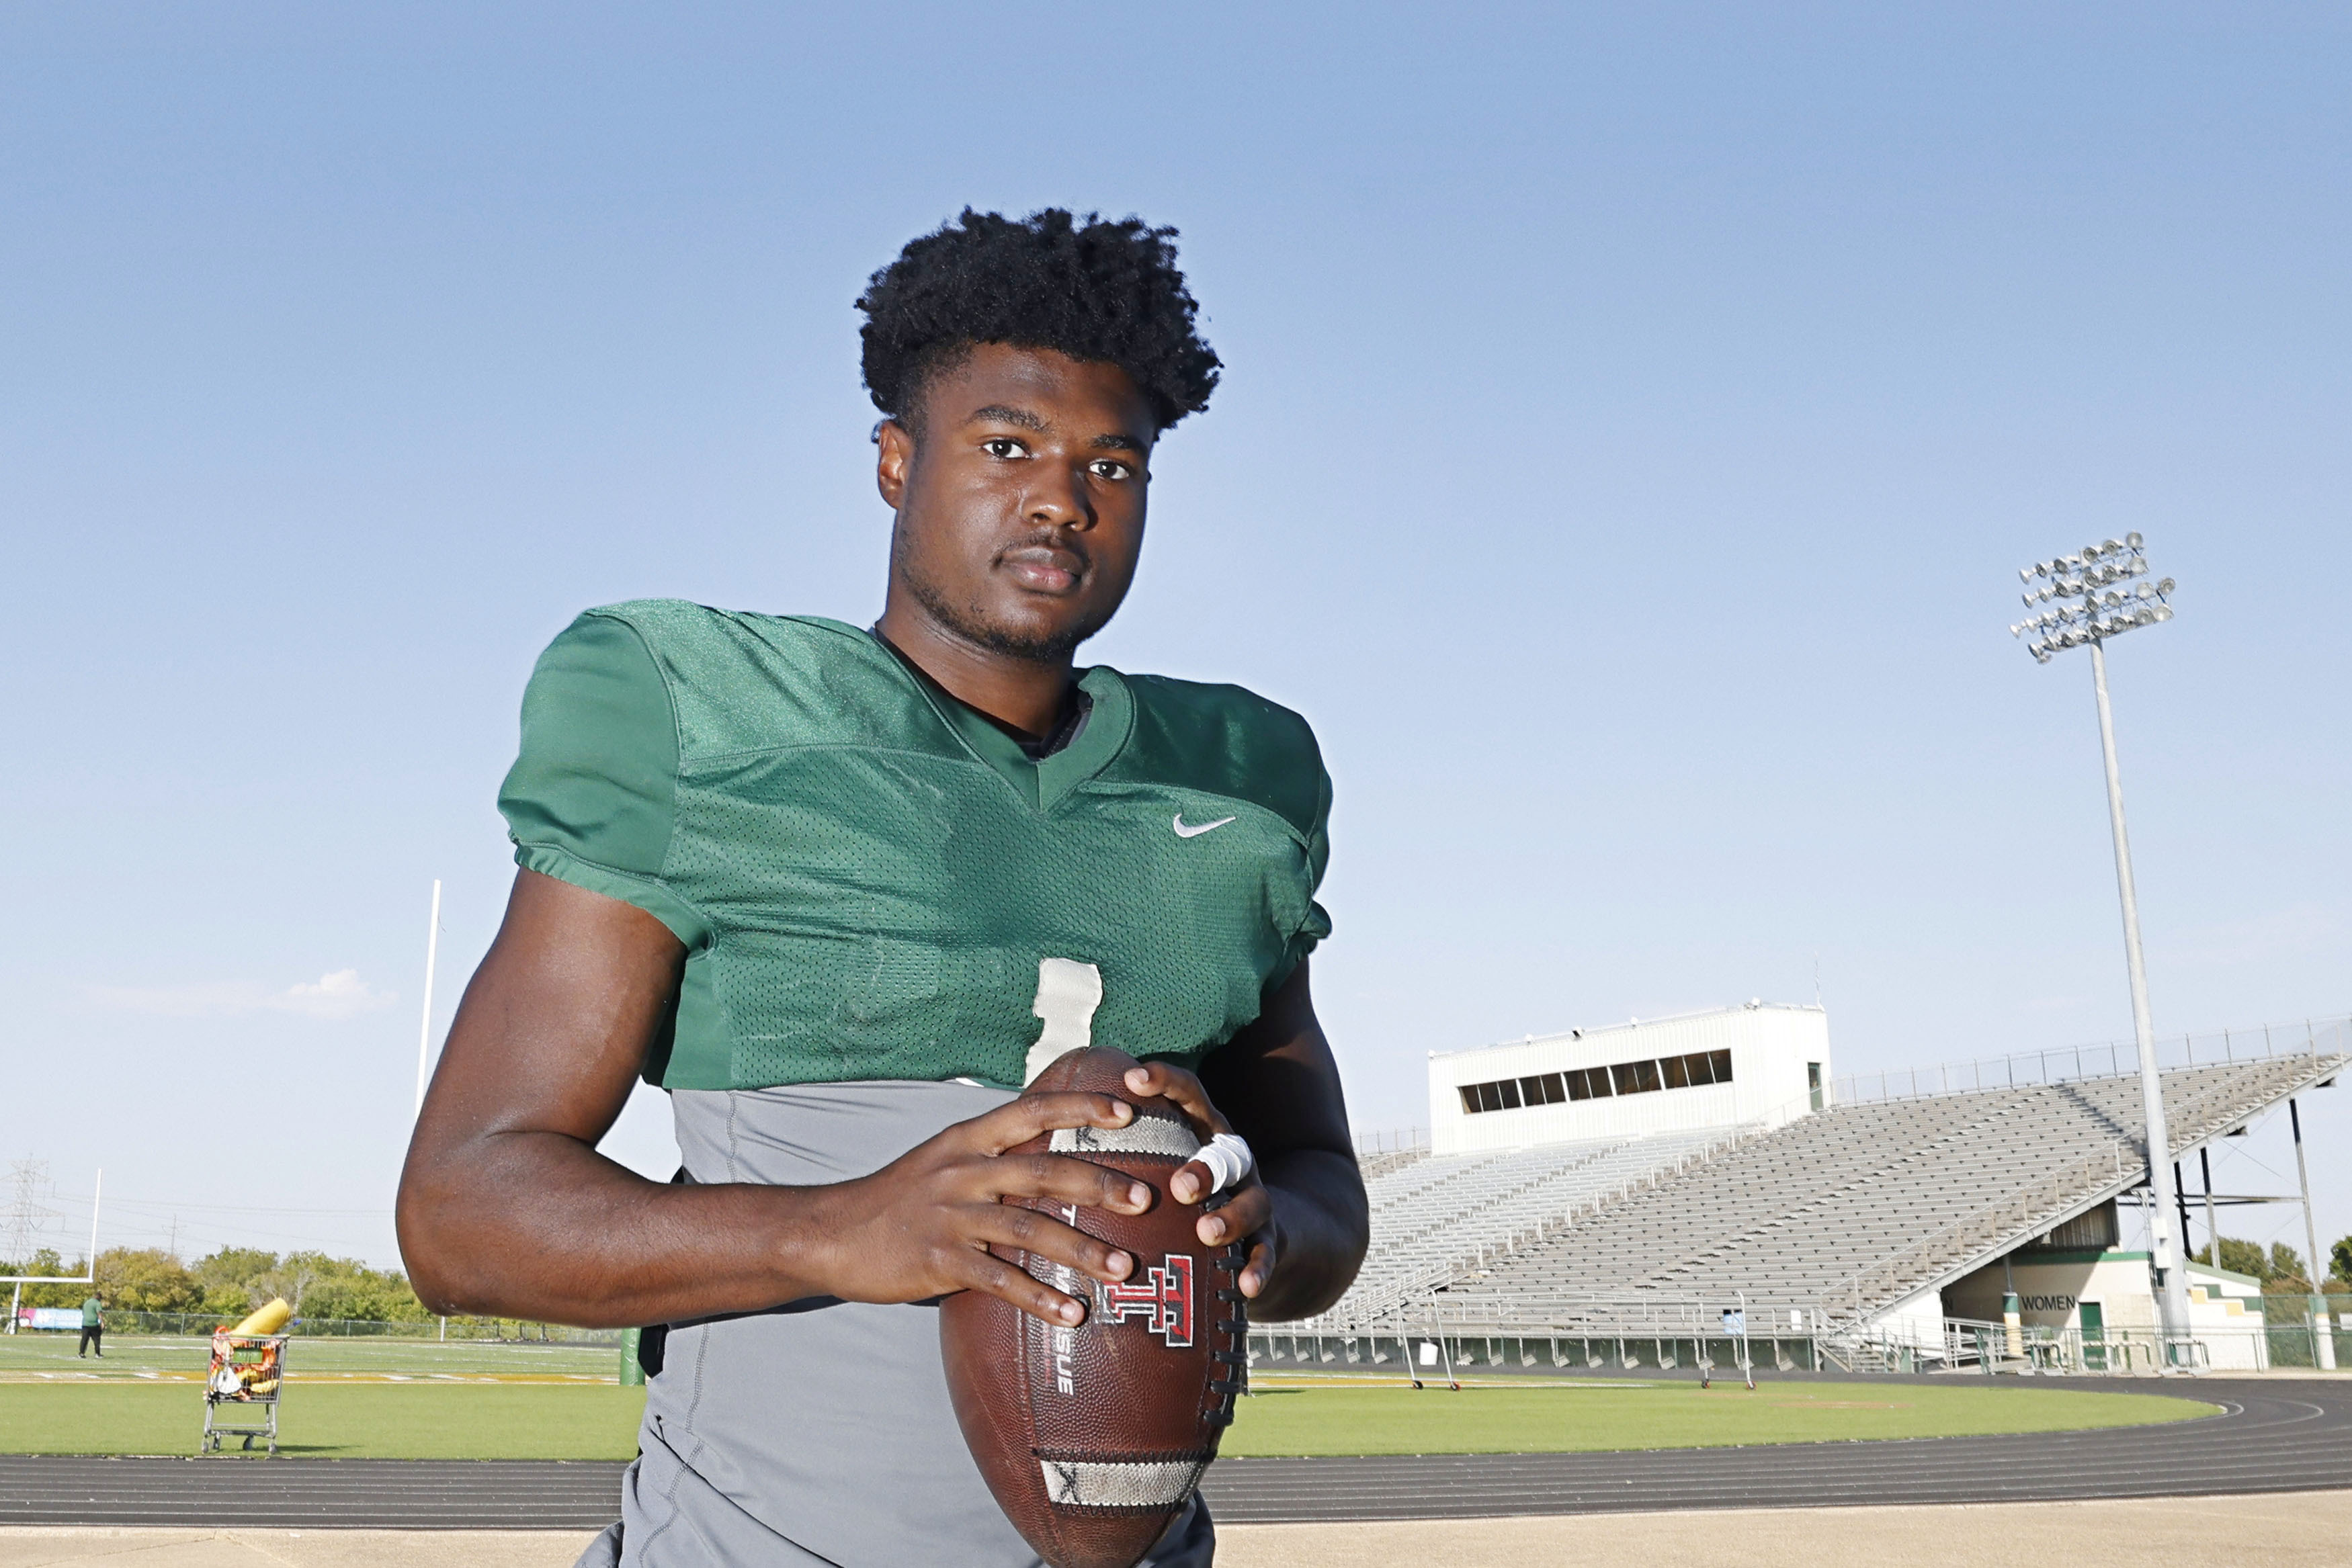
2102,591
2096,595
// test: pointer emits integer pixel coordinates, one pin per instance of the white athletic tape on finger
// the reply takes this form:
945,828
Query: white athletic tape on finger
1228,1157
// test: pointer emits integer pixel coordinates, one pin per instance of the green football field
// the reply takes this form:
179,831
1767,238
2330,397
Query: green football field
334,1420
590,1421
1549,1416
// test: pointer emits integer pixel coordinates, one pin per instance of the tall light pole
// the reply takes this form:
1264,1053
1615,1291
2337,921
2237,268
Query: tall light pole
424,1028
2102,592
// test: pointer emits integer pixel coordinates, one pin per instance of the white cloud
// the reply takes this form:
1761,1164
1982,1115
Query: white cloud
340,995
336,996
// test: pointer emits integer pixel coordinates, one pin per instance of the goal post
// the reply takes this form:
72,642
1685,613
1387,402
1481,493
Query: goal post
88,1275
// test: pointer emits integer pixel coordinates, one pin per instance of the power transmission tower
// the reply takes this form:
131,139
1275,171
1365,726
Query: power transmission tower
25,1218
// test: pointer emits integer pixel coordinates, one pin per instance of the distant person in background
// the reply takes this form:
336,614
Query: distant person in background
93,1329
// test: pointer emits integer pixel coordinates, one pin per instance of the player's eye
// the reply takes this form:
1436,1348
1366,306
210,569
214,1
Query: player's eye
1003,446
1109,468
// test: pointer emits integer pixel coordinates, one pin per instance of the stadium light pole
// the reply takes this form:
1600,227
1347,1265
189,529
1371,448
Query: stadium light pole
424,1027
2104,592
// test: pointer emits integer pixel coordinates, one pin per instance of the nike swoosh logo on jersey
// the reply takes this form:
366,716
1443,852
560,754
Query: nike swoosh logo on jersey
1194,832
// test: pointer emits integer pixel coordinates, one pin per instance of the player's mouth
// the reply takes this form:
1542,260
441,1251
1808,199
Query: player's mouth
1044,569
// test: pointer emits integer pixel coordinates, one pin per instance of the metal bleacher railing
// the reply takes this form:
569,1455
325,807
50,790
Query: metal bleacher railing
2108,1059
1637,1335
1467,1329
1378,1153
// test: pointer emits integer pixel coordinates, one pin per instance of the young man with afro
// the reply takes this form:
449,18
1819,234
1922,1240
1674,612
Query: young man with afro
822,882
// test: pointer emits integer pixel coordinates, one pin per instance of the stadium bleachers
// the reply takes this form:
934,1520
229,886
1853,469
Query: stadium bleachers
1435,1216
1851,1209
1381,1162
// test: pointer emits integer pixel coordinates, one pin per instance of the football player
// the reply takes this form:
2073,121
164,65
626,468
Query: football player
842,891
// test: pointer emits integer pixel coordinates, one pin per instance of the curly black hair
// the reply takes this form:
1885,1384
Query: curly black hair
1092,290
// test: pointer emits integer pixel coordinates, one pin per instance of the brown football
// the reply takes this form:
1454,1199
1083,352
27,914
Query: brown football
1094,1437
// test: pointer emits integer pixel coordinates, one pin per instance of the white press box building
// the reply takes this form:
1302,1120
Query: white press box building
1755,1066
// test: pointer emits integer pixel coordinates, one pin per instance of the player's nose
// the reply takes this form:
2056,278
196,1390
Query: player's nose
1058,498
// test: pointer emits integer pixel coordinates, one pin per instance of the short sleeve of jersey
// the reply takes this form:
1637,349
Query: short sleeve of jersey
1318,856
591,798
1229,743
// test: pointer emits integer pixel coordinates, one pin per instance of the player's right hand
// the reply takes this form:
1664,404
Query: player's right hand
922,1224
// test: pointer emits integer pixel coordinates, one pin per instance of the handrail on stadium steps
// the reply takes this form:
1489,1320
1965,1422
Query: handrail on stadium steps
2110,1058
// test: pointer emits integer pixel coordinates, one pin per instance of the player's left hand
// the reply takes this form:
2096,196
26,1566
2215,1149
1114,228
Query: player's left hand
1245,1212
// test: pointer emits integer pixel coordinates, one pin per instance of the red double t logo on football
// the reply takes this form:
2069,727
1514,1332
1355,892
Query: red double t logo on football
1162,1298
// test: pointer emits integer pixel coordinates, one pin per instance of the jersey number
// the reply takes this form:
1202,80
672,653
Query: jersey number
1068,992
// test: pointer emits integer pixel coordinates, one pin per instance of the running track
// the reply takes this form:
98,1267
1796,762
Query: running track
2276,1435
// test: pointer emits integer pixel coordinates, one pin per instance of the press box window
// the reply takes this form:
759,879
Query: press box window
1502,1095
1696,1070
1636,1076
1692,1071
1546,1090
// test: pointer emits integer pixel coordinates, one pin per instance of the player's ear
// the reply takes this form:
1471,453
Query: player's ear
895,451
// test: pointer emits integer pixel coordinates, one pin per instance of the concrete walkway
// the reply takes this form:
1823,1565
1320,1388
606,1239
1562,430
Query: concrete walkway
2286,1529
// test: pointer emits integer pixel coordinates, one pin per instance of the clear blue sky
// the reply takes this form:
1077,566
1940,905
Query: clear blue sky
1635,418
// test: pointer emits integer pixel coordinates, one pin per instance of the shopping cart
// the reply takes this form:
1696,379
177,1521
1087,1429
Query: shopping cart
248,1371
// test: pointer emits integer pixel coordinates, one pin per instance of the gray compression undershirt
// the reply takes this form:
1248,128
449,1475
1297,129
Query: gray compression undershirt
820,1433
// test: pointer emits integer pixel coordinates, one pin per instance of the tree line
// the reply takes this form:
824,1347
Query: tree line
228,1284
2281,1269
231,1282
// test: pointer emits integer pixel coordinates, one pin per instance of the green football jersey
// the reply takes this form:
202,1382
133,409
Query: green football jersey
873,882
